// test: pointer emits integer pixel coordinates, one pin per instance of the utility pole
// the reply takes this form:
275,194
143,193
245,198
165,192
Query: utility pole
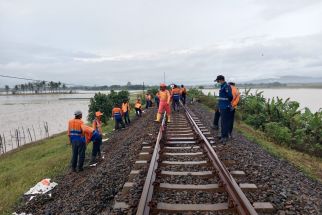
163,77
143,87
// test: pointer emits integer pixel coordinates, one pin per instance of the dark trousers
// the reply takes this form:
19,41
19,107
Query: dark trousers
127,117
97,147
157,102
225,115
138,112
175,104
183,98
119,121
216,118
231,123
148,104
78,148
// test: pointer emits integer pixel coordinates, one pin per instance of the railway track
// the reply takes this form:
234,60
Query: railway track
185,175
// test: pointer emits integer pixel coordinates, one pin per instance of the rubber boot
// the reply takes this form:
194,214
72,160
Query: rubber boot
158,117
169,119
93,160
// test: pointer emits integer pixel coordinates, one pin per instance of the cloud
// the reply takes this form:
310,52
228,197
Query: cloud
240,60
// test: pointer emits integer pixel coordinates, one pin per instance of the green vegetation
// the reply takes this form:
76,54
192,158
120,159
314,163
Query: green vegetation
105,103
38,87
283,122
278,126
310,165
45,158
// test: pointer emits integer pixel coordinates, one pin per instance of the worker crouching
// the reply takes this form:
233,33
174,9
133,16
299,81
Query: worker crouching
90,134
75,134
164,97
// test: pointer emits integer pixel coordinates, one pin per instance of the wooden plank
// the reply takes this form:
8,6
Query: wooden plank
201,173
121,205
185,187
181,147
181,142
184,162
183,154
167,207
247,187
265,207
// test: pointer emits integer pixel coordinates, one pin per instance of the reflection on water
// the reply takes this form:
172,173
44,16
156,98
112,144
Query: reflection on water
309,98
33,111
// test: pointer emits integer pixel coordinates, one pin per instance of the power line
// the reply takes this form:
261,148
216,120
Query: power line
31,79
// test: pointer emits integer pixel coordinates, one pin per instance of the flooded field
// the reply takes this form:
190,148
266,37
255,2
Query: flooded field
309,98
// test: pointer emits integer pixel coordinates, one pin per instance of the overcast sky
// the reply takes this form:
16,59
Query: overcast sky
98,42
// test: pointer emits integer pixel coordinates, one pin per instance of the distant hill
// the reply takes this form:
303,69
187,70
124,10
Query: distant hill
288,79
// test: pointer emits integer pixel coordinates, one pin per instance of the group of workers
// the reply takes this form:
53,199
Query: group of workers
80,134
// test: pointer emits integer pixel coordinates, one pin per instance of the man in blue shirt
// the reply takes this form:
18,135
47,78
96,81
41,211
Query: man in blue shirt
224,104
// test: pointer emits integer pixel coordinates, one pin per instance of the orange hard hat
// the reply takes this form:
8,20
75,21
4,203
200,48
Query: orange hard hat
98,113
163,85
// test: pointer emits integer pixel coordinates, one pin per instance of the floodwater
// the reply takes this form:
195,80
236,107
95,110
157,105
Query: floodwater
310,98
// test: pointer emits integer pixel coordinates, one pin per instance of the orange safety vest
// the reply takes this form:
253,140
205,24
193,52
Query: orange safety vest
75,127
117,111
87,132
176,91
138,105
125,107
97,125
236,96
164,96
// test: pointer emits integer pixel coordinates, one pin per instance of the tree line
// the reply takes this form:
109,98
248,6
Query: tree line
37,87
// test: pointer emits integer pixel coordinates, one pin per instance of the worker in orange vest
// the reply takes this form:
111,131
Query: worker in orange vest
138,108
117,114
234,103
97,126
75,135
126,111
164,96
183,94
90,134
175,94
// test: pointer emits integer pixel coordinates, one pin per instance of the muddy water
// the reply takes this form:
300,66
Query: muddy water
33,111
21,112
310,98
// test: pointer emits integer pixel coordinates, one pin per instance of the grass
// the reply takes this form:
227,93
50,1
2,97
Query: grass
22,168
309,165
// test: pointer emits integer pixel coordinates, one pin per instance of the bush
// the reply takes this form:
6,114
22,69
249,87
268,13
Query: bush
278,133
105,103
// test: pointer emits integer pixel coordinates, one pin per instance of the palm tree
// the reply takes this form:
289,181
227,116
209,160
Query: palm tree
7,89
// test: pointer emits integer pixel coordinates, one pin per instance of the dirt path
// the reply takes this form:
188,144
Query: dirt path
93,191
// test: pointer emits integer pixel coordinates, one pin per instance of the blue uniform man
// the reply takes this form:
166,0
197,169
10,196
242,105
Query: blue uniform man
225,108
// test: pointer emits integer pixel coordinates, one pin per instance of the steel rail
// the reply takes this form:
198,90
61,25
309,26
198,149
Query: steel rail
239,200
146,196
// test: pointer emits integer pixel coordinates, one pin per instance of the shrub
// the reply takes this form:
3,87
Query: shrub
278,133
105,103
